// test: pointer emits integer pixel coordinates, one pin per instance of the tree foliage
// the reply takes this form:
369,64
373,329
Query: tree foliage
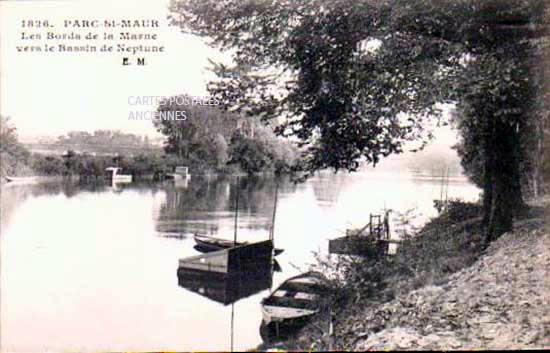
355,80
307,61
210,139
13,155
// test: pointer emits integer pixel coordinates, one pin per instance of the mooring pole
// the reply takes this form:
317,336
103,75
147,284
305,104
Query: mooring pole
232,320
272,231
331,331
236,213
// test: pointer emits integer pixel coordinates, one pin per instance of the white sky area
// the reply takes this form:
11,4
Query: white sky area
53,93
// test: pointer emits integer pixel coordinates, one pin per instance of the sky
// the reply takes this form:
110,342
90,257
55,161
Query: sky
54,93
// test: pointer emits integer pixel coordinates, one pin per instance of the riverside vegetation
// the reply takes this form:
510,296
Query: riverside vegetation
441,290
209,142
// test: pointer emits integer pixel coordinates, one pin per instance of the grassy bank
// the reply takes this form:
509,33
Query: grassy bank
423,296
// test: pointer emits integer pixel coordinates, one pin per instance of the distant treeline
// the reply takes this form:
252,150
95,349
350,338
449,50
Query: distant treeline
100,142
84,164
145,164
245,147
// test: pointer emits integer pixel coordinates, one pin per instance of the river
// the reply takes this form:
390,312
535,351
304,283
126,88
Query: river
92,268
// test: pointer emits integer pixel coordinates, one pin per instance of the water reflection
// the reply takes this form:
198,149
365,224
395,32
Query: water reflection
207,206
227,288
327,187
94,265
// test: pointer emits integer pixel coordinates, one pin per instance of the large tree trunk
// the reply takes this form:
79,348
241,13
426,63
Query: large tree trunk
487,190
513,143
504,185
502,210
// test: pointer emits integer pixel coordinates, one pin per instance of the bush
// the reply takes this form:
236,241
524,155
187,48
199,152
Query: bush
444,245
456,210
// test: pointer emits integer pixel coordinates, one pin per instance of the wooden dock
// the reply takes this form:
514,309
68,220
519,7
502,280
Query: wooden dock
372,240
350,245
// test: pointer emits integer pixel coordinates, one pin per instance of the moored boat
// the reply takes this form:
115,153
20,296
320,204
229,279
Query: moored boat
113,174
295,301
234,258
21,179
207,244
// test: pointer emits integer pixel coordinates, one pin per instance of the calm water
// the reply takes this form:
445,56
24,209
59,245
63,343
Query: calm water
93,268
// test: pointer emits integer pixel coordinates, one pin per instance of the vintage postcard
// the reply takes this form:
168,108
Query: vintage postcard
232,175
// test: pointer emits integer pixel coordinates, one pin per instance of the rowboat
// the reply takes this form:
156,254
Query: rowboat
208,244
295,301
214,244
175,176
21,179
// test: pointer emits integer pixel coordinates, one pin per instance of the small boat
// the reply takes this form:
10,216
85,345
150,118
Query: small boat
113,174
21,180
173,176
214,244
207,244
248,256
295,301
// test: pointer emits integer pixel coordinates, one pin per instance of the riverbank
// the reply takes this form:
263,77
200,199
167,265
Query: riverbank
455,296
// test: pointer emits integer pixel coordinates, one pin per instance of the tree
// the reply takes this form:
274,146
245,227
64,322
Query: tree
219,150
250,154
322,79
8,135
201,139
200,124
47,165
71,162
355,80
502,108
14,157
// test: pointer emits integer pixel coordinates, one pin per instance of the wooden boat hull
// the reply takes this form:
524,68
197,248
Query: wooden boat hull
176,176
295,301
227,260
275,332
214,244
208,244
21,179
173,176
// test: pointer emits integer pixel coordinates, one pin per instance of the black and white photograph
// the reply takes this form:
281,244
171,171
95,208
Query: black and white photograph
274,175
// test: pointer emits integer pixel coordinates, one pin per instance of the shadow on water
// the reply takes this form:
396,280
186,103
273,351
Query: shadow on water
227,288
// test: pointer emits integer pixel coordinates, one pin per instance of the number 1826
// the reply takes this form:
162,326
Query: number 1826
35,23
